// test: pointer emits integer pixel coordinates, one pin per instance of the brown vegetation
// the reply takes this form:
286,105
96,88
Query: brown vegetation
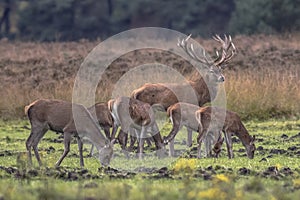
261,82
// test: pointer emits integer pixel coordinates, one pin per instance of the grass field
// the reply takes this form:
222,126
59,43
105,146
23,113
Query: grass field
262,85
274,173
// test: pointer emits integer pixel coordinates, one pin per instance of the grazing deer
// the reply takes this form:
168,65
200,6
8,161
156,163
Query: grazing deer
216,140
183,114
105,120
205,87
217,119
136,117
57,115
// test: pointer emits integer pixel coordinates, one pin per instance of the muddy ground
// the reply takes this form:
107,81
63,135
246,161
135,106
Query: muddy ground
264,151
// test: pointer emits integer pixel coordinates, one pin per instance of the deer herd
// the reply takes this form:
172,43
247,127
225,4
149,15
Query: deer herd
135,115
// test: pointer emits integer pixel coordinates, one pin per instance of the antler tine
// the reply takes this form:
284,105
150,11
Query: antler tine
217,38
188,37
189,49
226,45
233,51
204,60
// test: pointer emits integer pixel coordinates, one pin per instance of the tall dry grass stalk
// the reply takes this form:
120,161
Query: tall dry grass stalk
14,98
254,94
264,93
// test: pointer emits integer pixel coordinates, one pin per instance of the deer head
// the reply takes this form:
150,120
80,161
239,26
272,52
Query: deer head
105,154
216,66
250,148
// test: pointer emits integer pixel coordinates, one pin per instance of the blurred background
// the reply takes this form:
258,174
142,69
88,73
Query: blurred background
69,20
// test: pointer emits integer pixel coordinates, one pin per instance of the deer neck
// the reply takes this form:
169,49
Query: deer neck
206,91
95,136
243,135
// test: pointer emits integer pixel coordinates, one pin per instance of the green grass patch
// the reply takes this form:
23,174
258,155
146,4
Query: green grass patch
274,173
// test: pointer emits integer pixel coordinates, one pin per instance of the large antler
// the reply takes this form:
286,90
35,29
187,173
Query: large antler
222,58
189,49
226,45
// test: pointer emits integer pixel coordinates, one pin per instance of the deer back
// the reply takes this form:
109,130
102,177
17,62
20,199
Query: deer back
102,112
55,113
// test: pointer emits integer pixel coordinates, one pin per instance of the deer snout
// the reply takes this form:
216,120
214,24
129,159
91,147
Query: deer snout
221,79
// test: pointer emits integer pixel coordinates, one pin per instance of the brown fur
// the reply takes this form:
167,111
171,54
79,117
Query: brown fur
183,114
219,119
132,114
165,94
104,118
57,115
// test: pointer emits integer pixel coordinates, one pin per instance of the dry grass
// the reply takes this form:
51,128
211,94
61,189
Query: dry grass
253,94
261,82
264,93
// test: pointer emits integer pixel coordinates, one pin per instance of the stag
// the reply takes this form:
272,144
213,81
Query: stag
183,114
215,119
57,115
137,117
205,87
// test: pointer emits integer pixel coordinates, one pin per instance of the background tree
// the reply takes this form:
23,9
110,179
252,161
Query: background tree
5,19
48,20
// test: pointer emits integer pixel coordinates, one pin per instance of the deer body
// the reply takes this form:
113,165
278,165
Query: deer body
204,88
218,119
134,116
105,120
57,115
183,114
169,94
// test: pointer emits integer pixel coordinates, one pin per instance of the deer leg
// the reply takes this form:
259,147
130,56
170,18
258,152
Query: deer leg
132,142
113,132
189,137
199,141
158,141
171,148
133,139
208,143
37,133
218,145
156,137
107,133
176,127
141,142
122,137
91,151
170,138
228,140
28,147
80,147
148,141
67,141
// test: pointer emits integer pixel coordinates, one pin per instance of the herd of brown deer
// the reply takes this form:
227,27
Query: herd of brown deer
136,115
